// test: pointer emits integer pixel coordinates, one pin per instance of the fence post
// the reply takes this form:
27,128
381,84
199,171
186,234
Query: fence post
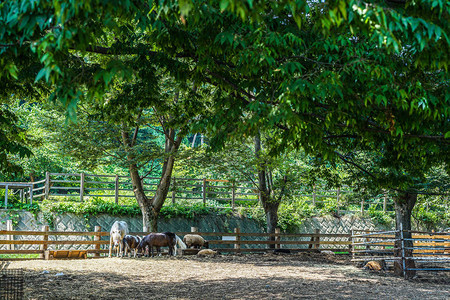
204,191
338,193
402,243
385,202
21,195
31,194
44,246
174,190
9,237
116,189
47,184
277,238
233,195
367,240
314,194
362,206
82,187
97,238
6,196
433,242
237,246
350,246
317,245
194,229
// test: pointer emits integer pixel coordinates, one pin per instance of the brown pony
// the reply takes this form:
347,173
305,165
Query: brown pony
131,243
158,240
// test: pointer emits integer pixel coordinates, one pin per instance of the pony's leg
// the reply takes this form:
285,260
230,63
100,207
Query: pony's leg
110,246
123,248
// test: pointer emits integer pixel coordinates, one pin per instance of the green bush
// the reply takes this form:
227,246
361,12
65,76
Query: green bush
431,218
380,217
292,214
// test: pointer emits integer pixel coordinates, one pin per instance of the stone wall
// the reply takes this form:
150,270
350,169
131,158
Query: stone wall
24,220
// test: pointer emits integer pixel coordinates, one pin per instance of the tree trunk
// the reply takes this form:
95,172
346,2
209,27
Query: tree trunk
150,208
269,204
404,204
271,210
149,219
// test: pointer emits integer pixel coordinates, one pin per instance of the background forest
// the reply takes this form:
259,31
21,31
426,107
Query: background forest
92,146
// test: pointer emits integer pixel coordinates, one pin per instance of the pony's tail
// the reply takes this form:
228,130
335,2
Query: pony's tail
180,242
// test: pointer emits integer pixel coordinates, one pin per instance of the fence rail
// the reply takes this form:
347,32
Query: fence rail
427,250
210,192
96,242
430,251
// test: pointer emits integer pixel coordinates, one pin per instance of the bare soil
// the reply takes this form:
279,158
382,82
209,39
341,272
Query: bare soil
269,276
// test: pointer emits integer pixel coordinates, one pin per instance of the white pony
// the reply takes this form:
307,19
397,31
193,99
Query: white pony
117,233
180,243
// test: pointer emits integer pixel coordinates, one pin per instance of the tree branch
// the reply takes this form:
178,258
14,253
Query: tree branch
342,157
151,169
136,130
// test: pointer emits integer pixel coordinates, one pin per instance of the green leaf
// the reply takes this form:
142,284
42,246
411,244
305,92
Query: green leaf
41,74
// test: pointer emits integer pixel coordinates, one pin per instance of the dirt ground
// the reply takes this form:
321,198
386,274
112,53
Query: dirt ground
268,276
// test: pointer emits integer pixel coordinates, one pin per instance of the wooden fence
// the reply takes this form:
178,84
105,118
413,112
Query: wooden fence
430,250
210,192
97,241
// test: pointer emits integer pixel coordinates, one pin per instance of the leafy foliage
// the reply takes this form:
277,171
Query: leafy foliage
13,142
362,82
380,217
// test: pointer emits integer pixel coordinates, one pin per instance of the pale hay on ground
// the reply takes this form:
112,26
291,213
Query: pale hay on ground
225,277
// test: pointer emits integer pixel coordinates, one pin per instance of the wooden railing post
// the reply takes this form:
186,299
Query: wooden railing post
82,187
362,206
116,189
97,238
204,191
314,195
233,194
9,237
47,184
338,194
385,202
317,233
367,240
237,246
174,190
31,194
44,246
350,246
433,242
277,238
6,196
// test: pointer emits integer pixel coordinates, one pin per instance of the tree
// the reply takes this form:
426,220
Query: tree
274,178
144,139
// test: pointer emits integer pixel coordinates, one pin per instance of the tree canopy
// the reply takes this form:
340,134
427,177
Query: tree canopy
343,80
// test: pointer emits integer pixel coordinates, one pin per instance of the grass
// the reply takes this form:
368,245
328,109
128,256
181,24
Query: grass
9,256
